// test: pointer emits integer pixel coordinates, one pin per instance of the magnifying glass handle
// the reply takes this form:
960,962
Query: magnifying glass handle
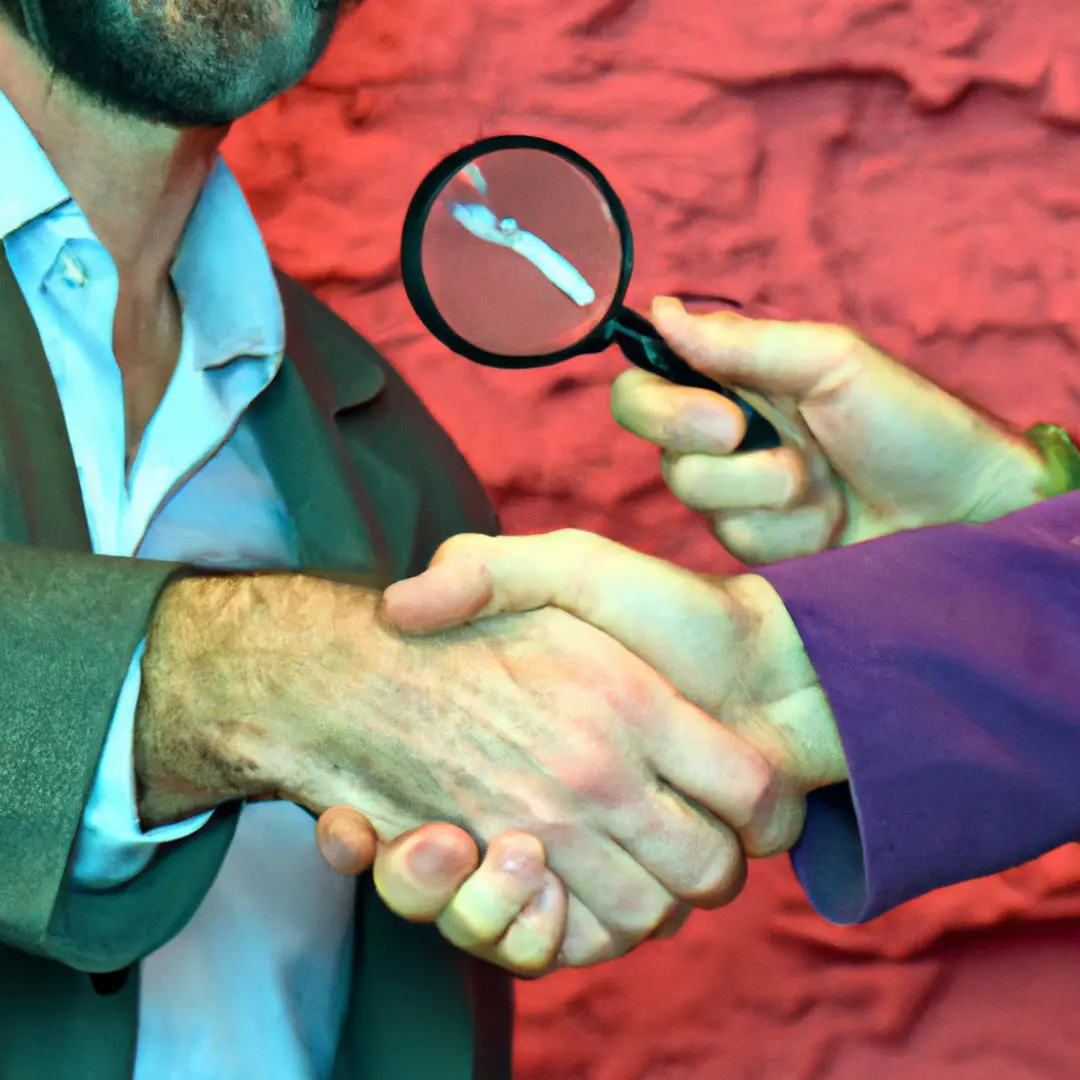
643,346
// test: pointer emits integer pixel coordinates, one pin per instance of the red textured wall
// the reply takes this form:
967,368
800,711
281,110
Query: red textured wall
908,166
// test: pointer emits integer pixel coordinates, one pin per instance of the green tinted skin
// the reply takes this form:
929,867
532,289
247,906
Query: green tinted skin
1062,457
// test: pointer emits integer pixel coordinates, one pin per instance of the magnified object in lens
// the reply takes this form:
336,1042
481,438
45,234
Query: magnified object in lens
483,223
517,253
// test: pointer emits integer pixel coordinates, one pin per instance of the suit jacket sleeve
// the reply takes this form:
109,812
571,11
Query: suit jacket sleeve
112,846
69,624
951,658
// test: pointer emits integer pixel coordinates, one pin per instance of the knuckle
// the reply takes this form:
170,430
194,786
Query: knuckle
587,941
791,478
846,344
591,953
840,338
676,431
456,547
577,541
518,866
547,809
461,928
688,481
593,771
722,877
633,911
760,784
591,779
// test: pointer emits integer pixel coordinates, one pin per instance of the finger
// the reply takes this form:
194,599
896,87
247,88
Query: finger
671,618
442,597
674,923
627,902
767,479
346,840
697,858
586,940
803,359
419,874
856,400
758,537
511,874
711,765
679,418
534,939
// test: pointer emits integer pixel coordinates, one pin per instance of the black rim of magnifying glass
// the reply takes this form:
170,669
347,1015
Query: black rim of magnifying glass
412,241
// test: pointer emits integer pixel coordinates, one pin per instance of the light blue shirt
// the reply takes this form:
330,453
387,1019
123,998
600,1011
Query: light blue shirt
255,987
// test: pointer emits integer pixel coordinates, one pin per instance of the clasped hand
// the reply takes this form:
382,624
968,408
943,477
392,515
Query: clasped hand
676,818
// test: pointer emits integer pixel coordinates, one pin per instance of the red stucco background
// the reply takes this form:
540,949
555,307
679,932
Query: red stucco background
909,166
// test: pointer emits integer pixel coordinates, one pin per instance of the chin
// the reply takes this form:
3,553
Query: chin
186,63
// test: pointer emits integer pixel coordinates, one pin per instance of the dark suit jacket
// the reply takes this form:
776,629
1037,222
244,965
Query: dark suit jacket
374,486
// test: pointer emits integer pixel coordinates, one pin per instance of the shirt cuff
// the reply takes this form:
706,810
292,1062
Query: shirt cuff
111,847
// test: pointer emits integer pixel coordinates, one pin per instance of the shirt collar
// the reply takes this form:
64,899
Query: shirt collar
225,278
222,272
29,186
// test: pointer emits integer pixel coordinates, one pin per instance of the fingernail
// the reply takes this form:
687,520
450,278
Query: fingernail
430,862
514,863
336,846
665,307
718,425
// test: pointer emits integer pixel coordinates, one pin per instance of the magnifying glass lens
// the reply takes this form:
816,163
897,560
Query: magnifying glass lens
521,255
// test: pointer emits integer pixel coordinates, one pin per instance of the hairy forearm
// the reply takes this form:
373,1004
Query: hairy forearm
223,656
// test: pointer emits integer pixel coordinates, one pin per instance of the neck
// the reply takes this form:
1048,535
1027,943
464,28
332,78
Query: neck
135,181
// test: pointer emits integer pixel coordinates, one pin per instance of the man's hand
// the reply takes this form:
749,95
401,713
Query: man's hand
280,685
509,911
869,448
727,645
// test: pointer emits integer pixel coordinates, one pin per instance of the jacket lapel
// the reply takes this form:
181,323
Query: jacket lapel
353,511
40,499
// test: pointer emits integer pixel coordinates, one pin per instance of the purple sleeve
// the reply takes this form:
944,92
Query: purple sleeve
951,658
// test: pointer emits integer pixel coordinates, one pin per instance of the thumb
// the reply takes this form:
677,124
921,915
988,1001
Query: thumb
346,840
478,577
801,359
673,619
457,588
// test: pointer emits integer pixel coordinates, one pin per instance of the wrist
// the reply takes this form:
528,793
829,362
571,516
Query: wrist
210,721
794,726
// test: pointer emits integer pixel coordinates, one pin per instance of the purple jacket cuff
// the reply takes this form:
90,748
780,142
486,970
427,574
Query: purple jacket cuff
951,658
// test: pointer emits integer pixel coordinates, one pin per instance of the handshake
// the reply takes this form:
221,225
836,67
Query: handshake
553,746
591,739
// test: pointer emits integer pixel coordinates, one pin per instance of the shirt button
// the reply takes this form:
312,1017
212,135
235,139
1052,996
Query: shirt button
73,271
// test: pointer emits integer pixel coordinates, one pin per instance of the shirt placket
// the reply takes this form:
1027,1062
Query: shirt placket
82,287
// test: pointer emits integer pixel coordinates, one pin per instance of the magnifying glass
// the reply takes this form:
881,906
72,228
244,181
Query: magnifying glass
517,253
